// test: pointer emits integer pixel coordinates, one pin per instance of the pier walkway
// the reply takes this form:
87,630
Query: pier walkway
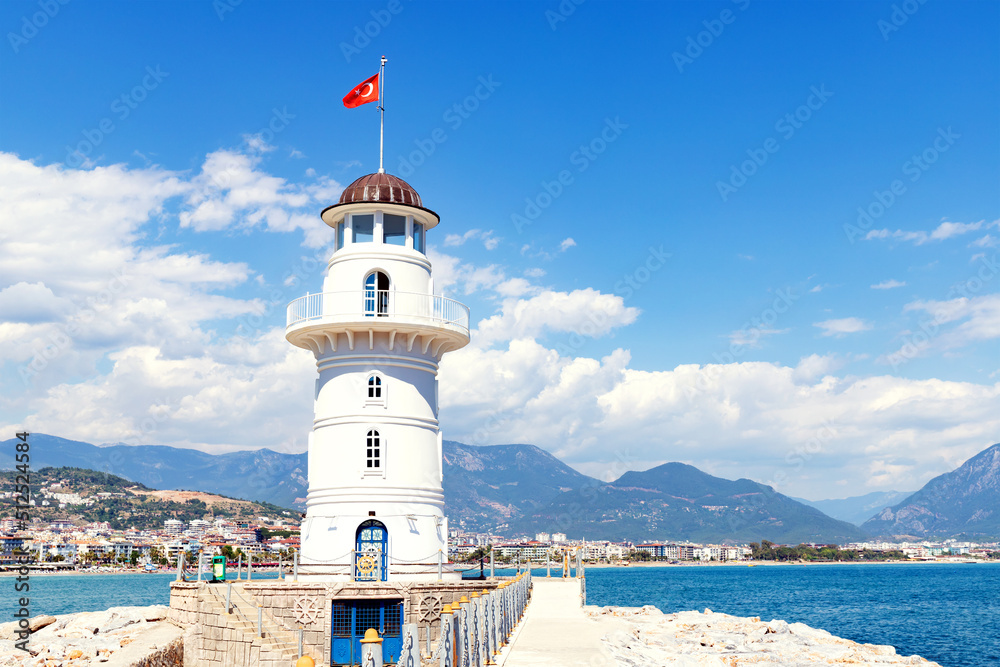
555,631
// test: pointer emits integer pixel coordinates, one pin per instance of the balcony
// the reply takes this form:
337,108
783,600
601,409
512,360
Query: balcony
314,320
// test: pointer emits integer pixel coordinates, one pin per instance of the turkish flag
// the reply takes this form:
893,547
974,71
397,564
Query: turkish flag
364,92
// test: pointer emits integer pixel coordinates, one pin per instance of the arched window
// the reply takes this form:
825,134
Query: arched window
376,294
376,390
373,458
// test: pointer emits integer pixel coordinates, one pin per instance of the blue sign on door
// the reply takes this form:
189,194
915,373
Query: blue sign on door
350,620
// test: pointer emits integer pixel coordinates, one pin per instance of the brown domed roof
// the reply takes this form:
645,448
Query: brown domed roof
381,188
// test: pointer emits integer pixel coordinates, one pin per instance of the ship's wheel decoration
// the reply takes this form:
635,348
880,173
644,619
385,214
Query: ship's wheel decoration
306,610
429,608
367,564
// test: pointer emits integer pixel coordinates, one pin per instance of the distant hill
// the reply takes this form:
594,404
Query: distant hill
252,475
124,503
486,487
675,501
964,503
857,509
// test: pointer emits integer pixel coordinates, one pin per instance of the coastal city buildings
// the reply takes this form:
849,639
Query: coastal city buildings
96,544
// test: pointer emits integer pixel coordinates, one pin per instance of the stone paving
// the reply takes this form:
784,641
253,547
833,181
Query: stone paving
555,630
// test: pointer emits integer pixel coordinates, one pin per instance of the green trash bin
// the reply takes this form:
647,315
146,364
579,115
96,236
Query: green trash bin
218,568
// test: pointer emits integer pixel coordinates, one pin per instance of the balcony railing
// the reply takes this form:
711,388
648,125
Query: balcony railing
379,305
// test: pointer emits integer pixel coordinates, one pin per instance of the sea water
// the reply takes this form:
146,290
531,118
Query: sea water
948,613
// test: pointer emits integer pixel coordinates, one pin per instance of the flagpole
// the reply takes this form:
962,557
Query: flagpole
381,108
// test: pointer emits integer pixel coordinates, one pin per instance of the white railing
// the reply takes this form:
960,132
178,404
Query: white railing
359,305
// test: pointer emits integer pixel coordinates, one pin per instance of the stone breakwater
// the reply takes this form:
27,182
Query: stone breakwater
117,637
709,639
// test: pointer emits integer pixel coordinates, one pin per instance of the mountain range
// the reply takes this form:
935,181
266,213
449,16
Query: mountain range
522,489
963,503
675,501
857,509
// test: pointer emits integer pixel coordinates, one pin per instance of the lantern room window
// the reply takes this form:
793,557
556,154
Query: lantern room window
363,227
418,237
394,229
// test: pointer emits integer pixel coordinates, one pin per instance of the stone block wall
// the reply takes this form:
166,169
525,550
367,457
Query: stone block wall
290,605
171,655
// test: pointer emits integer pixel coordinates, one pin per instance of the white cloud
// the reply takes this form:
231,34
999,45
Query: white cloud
842,326
31,303
943,231
976,319
582,313
489,241
566,244
804,426
751,337
889,284
80,280
534,272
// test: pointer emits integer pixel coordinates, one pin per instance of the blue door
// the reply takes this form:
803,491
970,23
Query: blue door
371,558
350,620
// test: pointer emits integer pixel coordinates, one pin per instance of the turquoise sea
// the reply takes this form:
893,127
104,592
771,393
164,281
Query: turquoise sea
946,613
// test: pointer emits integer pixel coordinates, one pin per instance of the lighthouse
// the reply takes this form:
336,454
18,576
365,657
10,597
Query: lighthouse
375,506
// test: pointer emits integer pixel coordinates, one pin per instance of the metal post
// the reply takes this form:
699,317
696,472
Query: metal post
239,568
353,563
180,572
300,640
260,621
381,108
492,558
201,556
295,566
280,570
440,564
249,567
229,597
548,565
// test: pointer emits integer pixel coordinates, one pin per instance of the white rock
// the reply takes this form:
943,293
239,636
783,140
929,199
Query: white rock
710,639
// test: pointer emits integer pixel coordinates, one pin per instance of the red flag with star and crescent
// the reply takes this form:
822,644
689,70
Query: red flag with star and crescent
364,92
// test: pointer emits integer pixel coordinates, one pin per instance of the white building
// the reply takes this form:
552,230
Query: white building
173,527
198,527
378,332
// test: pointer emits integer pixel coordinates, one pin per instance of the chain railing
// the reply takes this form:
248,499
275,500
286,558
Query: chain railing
474,629
393,306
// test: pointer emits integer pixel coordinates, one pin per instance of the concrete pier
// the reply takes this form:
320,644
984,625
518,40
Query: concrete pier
555,631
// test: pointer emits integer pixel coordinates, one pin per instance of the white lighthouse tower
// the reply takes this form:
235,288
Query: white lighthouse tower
375,504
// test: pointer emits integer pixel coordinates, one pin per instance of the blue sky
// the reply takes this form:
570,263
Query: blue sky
192,145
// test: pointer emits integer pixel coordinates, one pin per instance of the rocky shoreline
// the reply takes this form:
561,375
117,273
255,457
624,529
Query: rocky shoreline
709,639
116,637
